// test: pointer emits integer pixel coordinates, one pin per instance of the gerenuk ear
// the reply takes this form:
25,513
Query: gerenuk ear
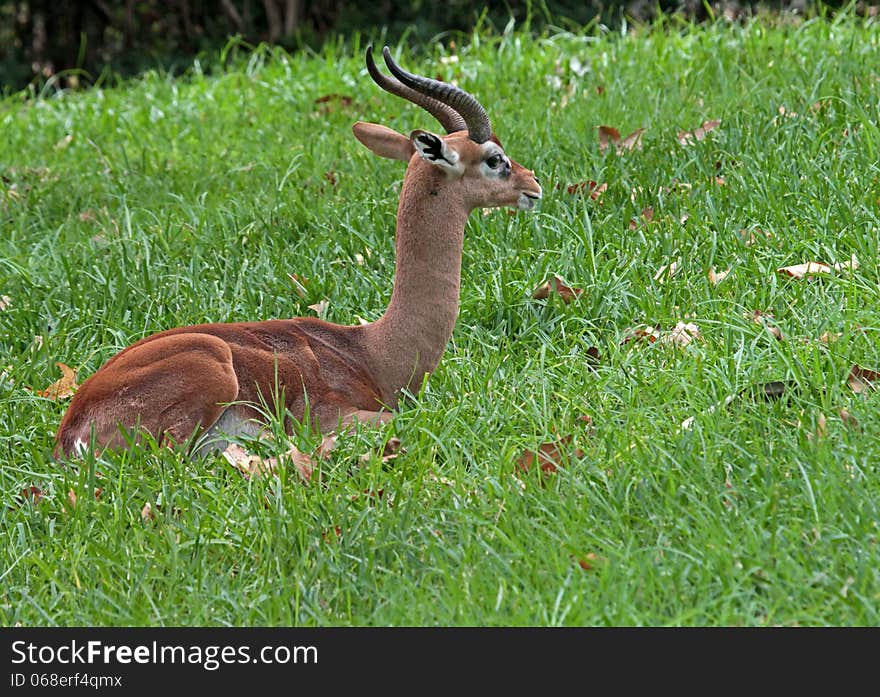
435,150
383,141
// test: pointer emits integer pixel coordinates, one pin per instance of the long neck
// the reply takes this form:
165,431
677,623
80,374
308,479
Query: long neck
409,339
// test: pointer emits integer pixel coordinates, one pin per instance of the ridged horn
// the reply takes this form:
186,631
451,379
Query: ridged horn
472,112
448,117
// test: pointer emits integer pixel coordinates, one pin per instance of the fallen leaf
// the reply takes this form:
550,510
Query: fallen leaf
716,278
34,493
632,142
690,137
609,136
330,176
593,188
71,497
810,268
147,513
821,426
592,357
647,216
760,318
299,284
664,273
328,443
336,534
5,300
774,331
246,463
556,285
829,337
300,460
549,456
328,99
320,307
588,561
681,334
98,492
848,419
63,388
850,265
861,380
390,451
750,237
651,334
64,142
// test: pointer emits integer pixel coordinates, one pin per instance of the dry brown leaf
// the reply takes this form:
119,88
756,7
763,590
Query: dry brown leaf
774,331
861,380
810,268
63,388
556,285
299,284
829,337
320,307
71,497
850,265
716,278
750,237
594,189
5,301
650,334
647,216
549,456
759,317
328,443
64,142
821,426
632,142
681,334
608,136
34,493
690,137
328,99
390,451
588,561
848,419
246,463
303,463
664,273
147,513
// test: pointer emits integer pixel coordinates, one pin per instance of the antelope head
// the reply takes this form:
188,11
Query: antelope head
468,164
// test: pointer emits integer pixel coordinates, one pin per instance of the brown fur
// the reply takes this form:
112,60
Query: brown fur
177,383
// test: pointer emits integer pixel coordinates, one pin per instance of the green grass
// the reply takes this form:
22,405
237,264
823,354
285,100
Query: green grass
191,199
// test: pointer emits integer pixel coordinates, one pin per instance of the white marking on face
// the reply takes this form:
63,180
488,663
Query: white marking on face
80,446
495,164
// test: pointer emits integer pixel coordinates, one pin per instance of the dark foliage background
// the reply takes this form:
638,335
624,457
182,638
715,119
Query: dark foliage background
83,41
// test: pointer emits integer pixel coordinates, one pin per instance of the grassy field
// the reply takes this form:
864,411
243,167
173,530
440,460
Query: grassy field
170,201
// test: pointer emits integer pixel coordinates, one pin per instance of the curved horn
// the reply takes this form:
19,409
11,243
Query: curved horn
474,115
448,117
